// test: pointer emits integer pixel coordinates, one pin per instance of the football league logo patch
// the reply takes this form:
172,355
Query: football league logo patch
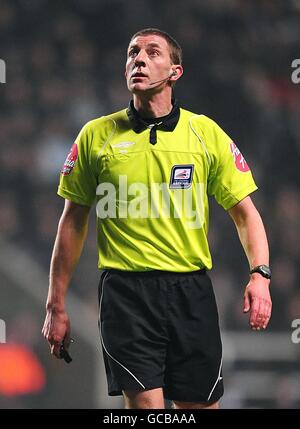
181,176
70,160
239,160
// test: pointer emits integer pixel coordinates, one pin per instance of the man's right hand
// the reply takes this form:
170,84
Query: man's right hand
57,330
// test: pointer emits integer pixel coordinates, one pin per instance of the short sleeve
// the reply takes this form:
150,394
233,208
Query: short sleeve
230,178
78,181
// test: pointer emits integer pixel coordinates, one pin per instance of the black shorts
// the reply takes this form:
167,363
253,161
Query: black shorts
161,329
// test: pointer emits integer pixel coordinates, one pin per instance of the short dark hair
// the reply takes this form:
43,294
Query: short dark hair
175,48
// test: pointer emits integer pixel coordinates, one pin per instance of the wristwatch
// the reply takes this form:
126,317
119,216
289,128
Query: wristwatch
264,270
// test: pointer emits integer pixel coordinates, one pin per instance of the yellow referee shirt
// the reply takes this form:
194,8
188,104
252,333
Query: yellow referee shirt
151,192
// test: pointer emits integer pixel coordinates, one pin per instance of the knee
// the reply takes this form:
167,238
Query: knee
135,402
151,399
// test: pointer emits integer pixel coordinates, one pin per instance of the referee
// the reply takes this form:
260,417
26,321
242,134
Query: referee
149,169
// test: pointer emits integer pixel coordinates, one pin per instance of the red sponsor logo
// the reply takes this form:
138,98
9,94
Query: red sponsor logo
70,160
239,160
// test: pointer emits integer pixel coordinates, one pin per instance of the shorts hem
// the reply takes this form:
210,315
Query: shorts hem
119,391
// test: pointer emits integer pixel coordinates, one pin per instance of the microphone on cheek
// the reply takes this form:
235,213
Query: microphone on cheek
163,80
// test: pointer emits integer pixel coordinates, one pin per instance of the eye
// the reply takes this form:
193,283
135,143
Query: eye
154,53
132,53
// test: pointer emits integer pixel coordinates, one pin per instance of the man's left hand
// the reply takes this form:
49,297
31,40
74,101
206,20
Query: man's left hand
258,301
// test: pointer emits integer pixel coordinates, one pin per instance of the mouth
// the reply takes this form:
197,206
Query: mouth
138,75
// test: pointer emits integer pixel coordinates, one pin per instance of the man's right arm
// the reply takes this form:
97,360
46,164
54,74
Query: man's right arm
71,235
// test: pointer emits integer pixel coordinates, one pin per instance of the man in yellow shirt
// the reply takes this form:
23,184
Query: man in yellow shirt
150,169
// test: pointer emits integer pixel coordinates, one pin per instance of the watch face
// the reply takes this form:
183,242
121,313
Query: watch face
264,270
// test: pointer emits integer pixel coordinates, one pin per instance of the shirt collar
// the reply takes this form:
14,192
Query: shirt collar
165,123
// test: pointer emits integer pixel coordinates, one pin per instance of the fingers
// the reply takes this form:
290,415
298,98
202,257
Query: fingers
260,314
55,347
246,303
67,338
54,340
268,310
254,313
56,331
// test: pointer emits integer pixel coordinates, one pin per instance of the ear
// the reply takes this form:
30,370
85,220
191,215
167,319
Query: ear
177,72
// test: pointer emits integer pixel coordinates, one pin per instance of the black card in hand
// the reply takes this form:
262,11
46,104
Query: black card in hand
63,353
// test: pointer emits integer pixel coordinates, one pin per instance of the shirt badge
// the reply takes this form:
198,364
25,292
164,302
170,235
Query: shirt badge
239,160
70,160
181,176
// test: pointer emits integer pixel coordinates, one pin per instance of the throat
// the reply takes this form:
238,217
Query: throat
149,110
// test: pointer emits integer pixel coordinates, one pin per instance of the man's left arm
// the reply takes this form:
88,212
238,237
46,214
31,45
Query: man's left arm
253,238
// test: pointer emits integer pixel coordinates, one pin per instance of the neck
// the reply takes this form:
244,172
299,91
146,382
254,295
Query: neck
155,106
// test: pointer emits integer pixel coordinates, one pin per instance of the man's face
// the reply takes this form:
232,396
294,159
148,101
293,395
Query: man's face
148,60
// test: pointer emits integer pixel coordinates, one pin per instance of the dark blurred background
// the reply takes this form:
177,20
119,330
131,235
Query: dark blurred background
64,66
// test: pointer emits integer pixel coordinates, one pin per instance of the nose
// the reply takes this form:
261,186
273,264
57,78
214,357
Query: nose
140,59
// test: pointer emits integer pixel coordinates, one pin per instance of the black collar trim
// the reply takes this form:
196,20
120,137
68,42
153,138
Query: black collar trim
165,123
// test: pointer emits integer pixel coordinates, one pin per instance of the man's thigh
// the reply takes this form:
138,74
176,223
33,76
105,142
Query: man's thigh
132,331
194,356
